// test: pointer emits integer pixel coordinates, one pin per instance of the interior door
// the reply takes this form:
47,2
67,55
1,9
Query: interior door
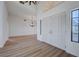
58,30
53,30
44,29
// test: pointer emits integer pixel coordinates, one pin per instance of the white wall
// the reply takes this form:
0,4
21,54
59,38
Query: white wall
3,24
53,30
53,22
17,26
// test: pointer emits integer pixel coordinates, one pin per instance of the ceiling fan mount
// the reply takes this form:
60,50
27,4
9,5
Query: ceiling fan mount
30,2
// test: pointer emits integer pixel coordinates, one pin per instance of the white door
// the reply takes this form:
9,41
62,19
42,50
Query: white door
53,30
58,30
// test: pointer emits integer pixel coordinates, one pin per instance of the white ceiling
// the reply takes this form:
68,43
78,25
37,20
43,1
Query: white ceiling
15,8
47,5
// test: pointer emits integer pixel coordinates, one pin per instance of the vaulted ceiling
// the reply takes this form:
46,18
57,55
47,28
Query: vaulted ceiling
14,7
47,5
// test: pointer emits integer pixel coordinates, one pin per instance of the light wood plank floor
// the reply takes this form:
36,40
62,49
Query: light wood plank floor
29,46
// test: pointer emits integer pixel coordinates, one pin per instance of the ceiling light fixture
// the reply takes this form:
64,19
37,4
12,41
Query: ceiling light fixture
30,2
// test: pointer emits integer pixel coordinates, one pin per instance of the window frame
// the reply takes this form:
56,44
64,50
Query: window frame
40,27
72,26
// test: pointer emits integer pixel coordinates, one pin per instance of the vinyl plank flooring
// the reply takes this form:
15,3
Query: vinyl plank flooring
29,46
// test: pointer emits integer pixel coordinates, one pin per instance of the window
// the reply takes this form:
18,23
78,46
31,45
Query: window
75,26
40,26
